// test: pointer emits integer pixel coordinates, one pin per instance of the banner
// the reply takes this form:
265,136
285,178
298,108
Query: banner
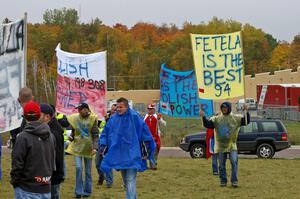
219,65
12,73
81,78
179,95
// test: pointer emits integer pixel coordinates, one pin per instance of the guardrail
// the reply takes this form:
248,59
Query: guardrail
283,113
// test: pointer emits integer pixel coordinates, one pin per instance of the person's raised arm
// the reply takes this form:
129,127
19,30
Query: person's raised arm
206,122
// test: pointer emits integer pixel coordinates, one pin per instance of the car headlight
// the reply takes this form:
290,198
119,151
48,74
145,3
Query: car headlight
183,140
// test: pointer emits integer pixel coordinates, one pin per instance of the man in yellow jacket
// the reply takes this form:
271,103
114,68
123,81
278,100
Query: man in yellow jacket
83,146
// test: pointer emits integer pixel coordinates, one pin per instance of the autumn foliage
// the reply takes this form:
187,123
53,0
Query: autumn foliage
135,54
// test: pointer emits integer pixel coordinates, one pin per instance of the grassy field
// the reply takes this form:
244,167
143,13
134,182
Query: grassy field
293,129
190,178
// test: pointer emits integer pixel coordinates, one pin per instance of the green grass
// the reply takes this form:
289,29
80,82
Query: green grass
190,178
293,129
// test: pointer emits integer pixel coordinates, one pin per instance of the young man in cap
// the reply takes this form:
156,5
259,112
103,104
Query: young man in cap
84,144
47,116
227,126
124,136
153,121
33,157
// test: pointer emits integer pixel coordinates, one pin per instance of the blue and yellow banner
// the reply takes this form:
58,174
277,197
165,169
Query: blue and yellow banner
179,95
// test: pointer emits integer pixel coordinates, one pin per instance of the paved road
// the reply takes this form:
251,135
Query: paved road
176,152
291,153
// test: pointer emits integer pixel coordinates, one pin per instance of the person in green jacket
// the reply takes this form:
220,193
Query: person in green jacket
227,126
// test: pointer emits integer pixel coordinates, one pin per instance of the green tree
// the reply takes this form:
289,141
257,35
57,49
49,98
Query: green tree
61,17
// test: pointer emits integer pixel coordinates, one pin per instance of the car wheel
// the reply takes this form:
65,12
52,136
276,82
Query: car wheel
265,151
197,151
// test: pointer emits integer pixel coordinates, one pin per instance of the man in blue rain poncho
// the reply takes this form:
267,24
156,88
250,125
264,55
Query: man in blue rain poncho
128,143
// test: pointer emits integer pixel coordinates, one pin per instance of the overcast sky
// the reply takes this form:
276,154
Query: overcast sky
280,18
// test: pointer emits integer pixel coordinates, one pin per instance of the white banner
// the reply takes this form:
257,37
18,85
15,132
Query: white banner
12,73
262,97
81,78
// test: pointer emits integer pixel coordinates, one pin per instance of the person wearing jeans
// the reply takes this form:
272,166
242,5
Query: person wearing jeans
83,188
125,137
108,176
129,179
20,193
234,166
215,163
227,126
84,144
210,150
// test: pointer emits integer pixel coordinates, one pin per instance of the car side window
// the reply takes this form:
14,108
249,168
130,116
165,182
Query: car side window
250,128
269,126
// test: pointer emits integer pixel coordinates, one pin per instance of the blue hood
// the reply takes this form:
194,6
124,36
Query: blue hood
226,104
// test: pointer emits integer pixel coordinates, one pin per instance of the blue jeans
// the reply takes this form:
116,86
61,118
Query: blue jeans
215,163
129,179
55,191
234,166
0,157
107,176
83,188
65,167
21,194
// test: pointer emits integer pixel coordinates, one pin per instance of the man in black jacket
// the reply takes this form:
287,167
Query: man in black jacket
33,157
47,116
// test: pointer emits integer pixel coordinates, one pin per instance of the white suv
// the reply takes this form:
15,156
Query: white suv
250,102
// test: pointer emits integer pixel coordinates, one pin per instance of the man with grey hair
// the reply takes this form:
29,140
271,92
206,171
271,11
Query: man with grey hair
25,95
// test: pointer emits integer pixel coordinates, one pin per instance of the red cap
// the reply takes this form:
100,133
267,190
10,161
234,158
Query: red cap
150,106
32,109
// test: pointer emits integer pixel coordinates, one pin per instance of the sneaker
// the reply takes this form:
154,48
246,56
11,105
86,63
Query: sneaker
77,196
234,184
223,184
215,173
86,196
100,181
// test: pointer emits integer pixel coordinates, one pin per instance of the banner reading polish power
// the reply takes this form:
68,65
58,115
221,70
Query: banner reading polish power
179,95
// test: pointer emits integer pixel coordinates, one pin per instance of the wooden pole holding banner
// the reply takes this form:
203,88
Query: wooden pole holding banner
245,111
25,49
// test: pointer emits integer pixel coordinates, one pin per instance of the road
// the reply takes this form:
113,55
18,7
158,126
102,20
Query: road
291,153
176,152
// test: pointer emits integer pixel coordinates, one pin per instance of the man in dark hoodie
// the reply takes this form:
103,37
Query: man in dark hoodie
47,116
227,126
33,157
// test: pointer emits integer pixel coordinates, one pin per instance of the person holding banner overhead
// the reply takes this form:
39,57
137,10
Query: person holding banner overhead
227,126
153,121
83,146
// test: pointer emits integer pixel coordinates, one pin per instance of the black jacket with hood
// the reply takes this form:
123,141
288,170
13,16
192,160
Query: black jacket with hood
33,158
58,132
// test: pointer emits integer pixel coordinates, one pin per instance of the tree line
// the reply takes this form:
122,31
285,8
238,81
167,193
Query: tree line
135,55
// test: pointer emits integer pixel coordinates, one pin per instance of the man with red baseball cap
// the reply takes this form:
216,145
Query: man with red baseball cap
153,121
33,157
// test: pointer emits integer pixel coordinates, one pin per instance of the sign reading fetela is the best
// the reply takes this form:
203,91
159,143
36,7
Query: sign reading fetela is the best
219,65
